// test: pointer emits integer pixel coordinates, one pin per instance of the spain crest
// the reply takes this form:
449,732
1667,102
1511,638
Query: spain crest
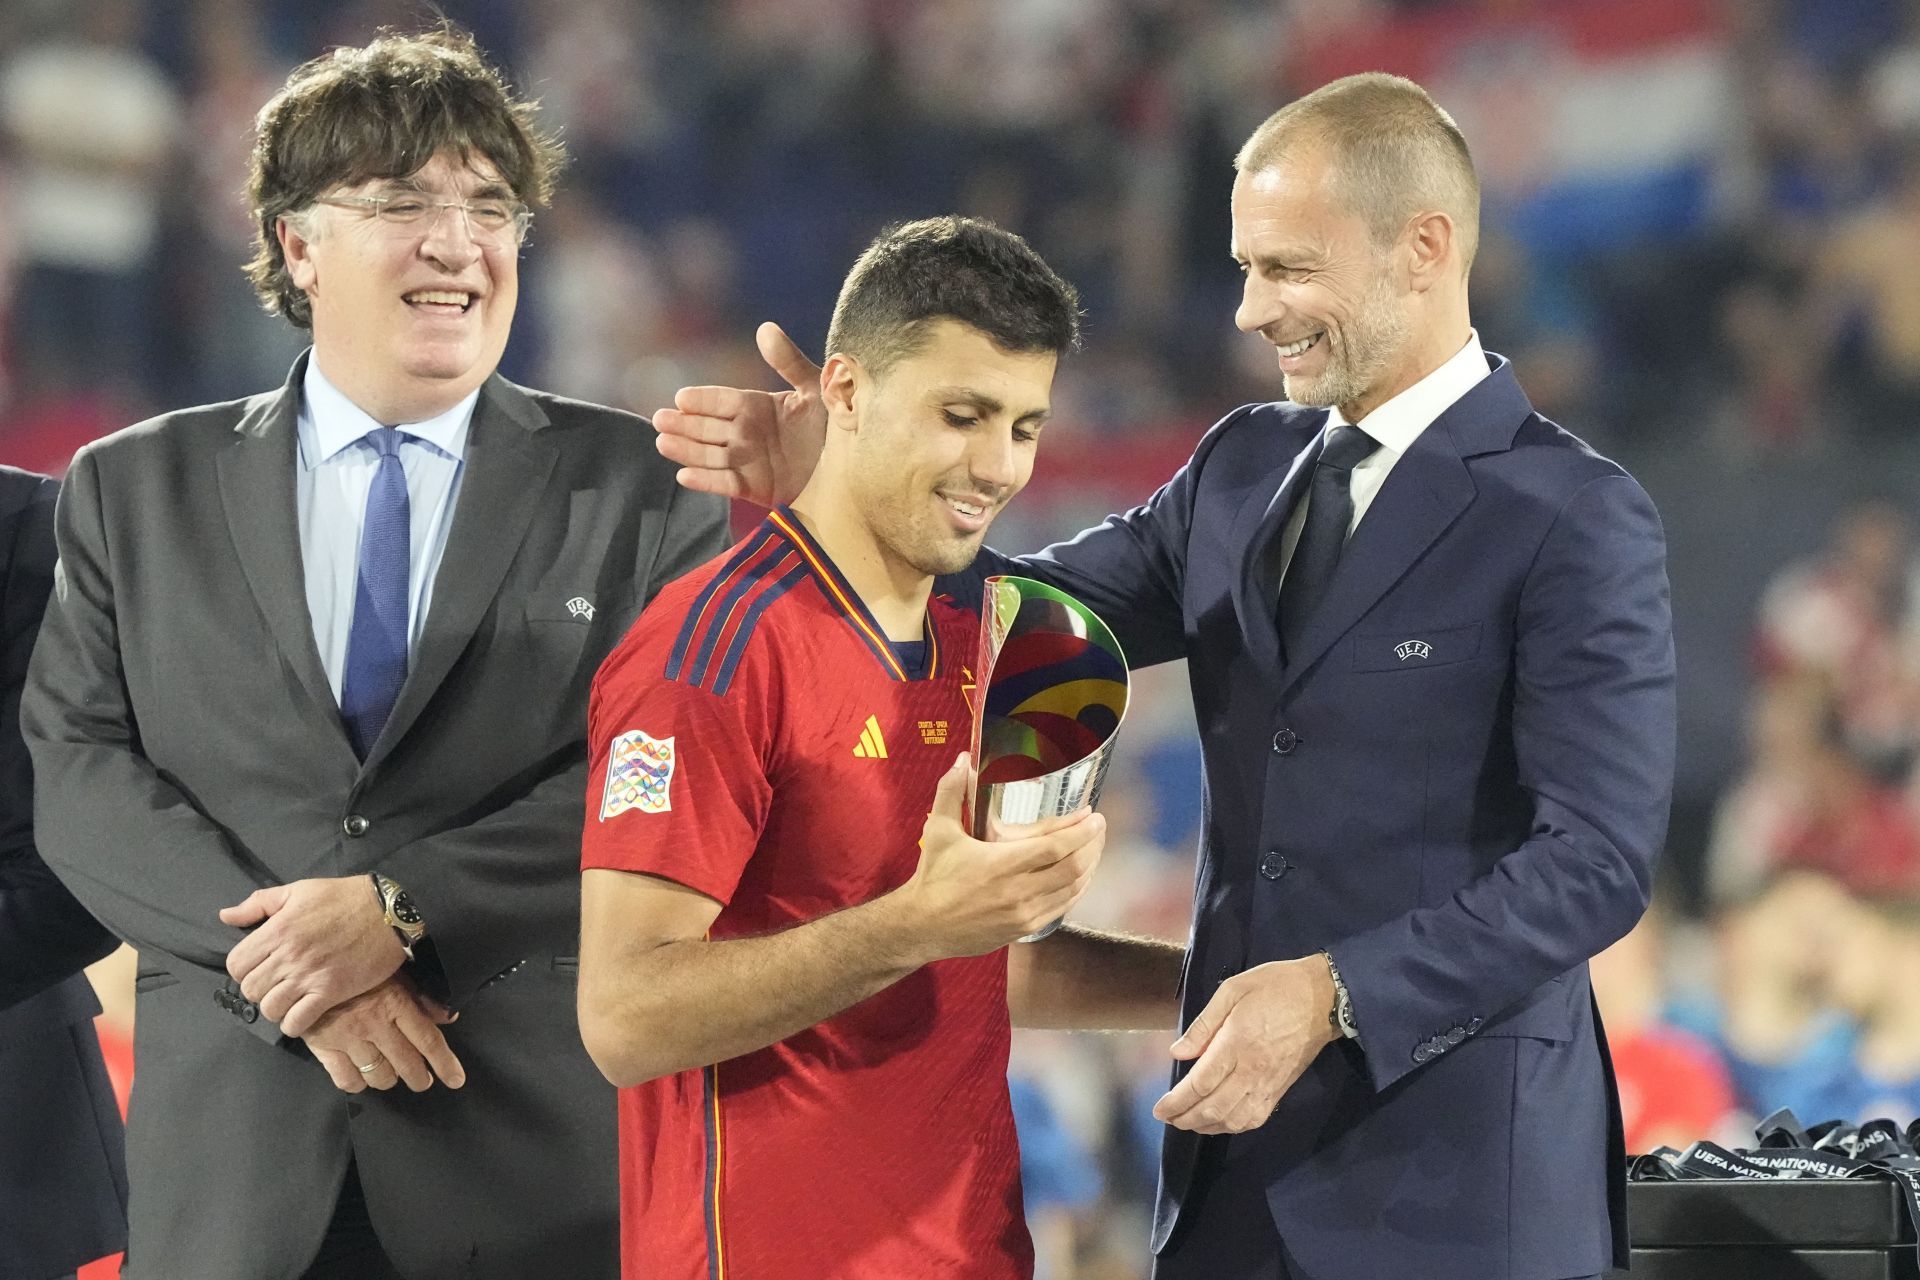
639,775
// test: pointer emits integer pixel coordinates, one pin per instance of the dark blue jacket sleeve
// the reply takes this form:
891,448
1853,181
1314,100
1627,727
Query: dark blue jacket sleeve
1593,737
45,935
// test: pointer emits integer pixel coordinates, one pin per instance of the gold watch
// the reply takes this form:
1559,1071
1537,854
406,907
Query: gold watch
396,904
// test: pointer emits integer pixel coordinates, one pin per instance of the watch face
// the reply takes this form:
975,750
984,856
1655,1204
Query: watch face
403,909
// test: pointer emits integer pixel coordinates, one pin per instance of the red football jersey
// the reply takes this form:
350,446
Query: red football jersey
755,738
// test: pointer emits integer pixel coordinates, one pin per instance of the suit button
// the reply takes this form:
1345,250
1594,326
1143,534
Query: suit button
249,1012
1285,741
1421,1053
224,999
1473,1025
355,825
1273,866
1456,1035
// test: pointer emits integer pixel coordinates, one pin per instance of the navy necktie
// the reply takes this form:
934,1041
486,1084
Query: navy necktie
377,642
1324,533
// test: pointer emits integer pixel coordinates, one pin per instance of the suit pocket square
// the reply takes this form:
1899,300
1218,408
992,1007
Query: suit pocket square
1415,648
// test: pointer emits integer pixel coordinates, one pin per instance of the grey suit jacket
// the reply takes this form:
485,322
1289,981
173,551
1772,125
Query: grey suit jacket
187,750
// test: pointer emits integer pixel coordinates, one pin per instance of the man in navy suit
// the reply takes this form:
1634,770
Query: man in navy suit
63,1178
1430,648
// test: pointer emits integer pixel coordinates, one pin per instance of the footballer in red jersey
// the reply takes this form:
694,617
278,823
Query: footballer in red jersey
797,974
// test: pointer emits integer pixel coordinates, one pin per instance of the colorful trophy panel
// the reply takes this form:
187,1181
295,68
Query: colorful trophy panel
1052,693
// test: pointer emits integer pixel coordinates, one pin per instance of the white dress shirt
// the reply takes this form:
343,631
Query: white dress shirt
335,475
1394,426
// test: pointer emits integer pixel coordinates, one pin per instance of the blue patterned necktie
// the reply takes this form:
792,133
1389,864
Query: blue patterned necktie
377,642
1324,534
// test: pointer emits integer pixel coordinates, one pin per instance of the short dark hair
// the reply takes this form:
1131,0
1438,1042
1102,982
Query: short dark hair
382,111
958,268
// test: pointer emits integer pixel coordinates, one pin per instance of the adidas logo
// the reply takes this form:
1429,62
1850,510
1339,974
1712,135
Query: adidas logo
871,745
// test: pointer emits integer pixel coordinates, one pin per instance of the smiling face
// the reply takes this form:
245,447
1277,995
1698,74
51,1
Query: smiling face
939,442
407,320
1319,288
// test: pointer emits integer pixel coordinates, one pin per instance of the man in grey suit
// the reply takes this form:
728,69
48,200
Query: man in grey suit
307,720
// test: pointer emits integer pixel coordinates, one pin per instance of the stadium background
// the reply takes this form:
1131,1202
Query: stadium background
1702,250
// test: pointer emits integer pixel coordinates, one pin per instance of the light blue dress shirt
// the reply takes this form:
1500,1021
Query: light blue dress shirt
335,473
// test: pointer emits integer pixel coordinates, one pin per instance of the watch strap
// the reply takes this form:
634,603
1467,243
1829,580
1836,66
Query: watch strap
1340,1016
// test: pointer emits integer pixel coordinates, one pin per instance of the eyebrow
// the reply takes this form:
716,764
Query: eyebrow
1292,255
985,403
490,189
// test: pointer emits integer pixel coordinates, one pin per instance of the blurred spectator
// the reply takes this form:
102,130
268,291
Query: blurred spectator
93,124
1878,961
1808,802
590,351
1538,318
1844,619
1820,151
1058,1177
1673,1087
234,346
1771,403
1772,1018
1867,298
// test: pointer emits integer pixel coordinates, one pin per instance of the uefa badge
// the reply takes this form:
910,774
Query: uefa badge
639,775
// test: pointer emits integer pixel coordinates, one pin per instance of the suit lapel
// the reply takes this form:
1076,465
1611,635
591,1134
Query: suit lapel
505,473
258,490
1425,493
1259,528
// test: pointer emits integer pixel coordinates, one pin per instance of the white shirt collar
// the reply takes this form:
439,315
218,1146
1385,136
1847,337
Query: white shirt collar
1396,424
338,422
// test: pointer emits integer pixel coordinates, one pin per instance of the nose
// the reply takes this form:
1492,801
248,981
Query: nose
449,237
994,462
1256,310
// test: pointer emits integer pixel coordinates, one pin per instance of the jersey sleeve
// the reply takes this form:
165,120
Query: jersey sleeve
677,782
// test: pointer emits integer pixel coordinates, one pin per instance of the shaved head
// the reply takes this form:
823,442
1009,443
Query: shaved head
1395,153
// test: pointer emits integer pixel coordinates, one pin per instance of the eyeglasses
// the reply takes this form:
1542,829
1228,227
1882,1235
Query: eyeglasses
489,221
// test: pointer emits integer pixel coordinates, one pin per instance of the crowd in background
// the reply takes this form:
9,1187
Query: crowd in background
1701,220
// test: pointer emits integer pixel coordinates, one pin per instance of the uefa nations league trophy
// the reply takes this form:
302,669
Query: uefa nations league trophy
1052,693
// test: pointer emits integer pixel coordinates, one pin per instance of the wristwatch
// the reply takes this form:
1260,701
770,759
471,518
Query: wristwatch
402,916
1340,1017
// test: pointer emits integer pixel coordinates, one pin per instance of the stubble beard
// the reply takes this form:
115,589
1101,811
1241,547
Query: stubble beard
1377,333
916,538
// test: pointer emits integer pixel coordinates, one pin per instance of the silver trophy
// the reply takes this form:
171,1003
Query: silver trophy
1052,692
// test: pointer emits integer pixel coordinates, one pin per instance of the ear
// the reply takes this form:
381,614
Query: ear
1430,242
298,251
842,383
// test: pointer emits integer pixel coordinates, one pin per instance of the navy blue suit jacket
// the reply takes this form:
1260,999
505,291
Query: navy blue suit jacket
63,1180
1457,786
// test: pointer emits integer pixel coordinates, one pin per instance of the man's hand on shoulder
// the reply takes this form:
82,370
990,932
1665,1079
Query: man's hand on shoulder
315,944
394,1030
755,445
1253,1040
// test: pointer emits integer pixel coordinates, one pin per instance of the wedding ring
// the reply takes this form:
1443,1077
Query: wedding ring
369,1069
